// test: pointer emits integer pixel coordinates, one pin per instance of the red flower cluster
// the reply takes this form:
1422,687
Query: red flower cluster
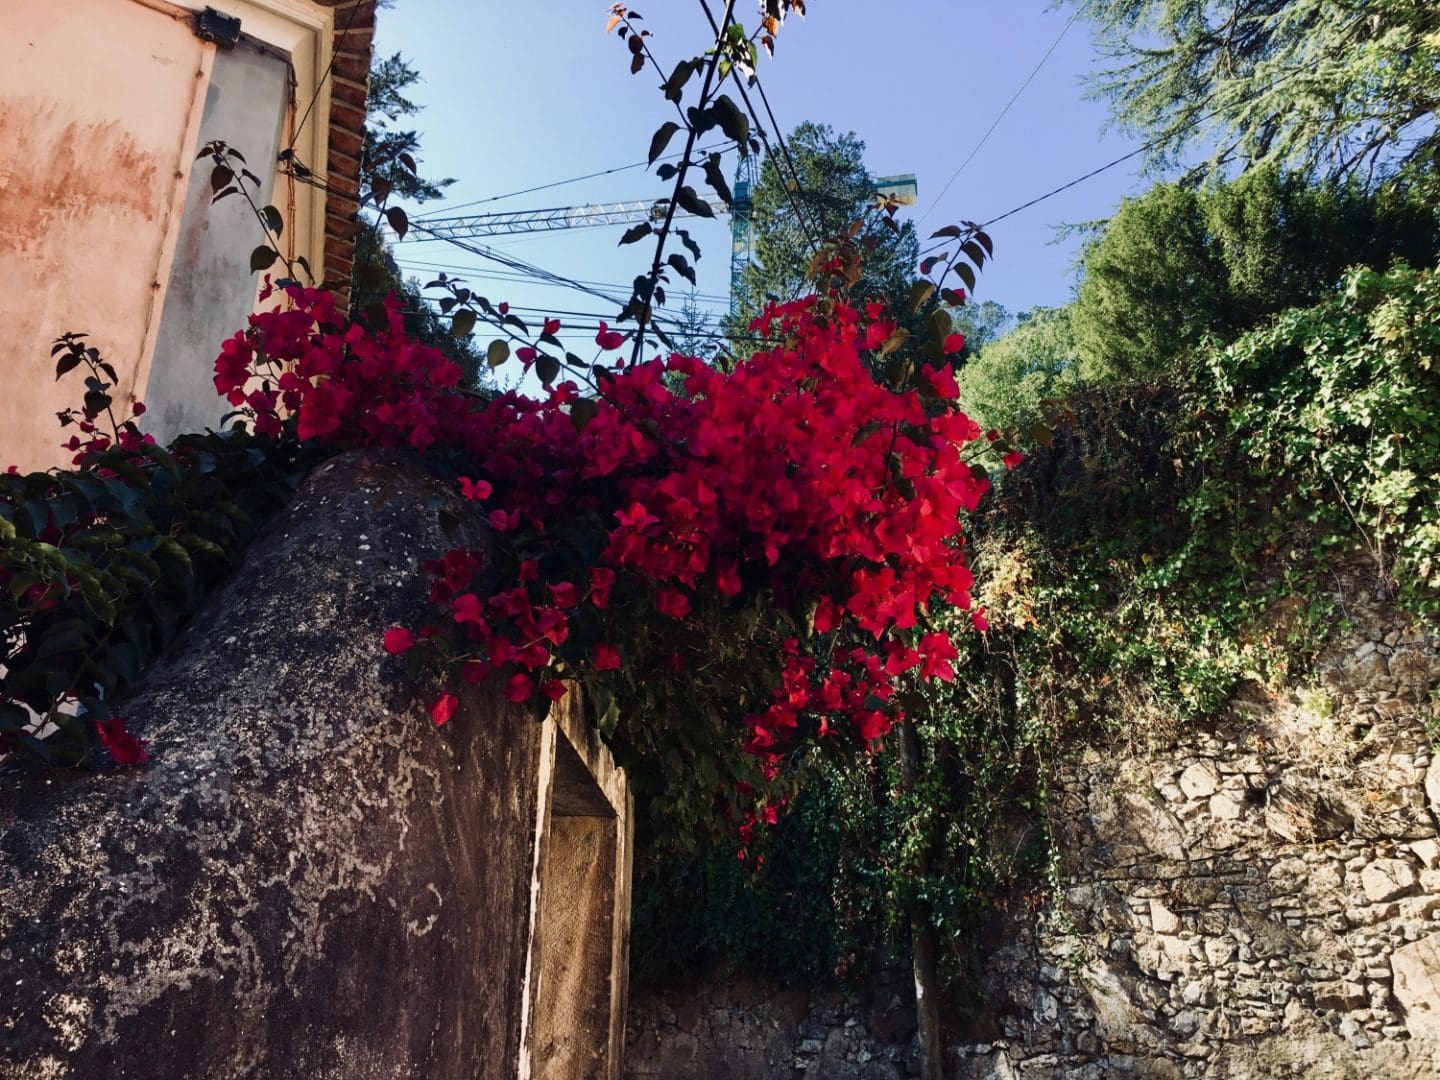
796,476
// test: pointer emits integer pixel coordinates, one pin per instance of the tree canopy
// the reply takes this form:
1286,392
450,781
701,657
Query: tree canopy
376,272
1340,90
1007,379
1177,265
834,189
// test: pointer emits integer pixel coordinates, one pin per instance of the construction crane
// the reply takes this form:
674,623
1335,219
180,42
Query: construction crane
628,212
634,211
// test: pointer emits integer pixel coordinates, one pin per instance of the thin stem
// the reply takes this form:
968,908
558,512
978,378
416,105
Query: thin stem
644,314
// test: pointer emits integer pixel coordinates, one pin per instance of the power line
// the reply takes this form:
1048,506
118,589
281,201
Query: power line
498,275
584,331
991,130
537,272
1196,122
330,67
559,312
799,189
805,223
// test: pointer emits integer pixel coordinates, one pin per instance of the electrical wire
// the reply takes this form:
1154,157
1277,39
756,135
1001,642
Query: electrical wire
1140,150
991,130
805,224
496,275
320,83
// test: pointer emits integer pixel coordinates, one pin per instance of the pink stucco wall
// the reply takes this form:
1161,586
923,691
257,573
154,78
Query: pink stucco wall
99,101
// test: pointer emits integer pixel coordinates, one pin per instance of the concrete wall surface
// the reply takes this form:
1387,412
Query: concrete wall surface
309,878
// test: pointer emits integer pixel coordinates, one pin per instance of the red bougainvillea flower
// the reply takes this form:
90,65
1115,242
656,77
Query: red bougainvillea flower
1013,458
607,658
398,640
123,747
672,602
519,688
443,711
609,339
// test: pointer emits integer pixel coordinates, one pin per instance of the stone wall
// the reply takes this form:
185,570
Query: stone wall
1257,899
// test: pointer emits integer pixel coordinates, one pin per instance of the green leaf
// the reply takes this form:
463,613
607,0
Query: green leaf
733,122
637,232
893,342
661,139
687,200
920,292
273,221
547,367
497,352
715,177
690,244
219,177
582,412
262,258
939,325
676,83
463,323
398,220
682,267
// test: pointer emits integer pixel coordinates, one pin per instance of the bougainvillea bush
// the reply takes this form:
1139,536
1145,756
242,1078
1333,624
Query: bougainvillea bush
734,565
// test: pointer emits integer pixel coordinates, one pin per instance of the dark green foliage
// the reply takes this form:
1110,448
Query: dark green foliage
386,105
1006,379
782,920
1176,267
101,568
835,189
1341,90
376,275
843,864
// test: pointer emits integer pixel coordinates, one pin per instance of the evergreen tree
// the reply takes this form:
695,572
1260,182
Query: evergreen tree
834,190
1175,265
1328,88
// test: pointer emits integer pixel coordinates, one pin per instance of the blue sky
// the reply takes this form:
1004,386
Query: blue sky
518,96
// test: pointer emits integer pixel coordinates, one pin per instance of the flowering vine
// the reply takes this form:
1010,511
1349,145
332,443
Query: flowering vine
796,488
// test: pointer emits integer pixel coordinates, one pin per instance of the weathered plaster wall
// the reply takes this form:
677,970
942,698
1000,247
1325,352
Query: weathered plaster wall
308,879
1259,899
98,103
